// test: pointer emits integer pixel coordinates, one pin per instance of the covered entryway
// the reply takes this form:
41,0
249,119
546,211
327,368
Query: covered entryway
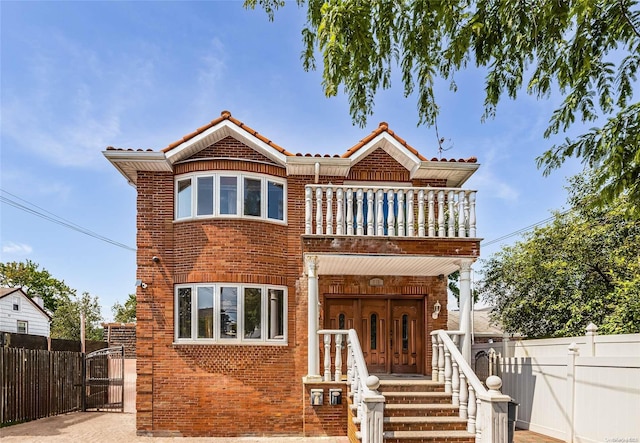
391,330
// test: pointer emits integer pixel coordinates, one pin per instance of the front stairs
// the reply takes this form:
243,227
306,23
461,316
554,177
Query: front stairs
418,410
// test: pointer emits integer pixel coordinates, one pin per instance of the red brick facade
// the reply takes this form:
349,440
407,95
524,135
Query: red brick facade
253,389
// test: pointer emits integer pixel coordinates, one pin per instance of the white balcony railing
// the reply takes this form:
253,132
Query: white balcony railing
394,212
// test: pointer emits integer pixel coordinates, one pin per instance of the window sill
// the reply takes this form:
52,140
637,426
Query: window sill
222,343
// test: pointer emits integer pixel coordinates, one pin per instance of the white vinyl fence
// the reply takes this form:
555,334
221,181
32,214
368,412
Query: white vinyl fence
577,389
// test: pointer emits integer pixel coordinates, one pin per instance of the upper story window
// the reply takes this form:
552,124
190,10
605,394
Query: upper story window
231,313
16,303
224,194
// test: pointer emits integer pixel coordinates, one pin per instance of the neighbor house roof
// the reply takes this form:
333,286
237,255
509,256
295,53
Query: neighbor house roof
5,292
482,324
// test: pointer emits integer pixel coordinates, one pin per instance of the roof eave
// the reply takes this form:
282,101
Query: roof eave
329,166
128,163
217,132
455,173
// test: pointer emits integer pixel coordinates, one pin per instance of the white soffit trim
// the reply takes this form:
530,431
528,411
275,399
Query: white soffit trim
381,265
216,133
329,166
392,147
456,173
130,162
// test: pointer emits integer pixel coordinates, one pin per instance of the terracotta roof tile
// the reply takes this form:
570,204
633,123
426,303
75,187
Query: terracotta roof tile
384,127
226,115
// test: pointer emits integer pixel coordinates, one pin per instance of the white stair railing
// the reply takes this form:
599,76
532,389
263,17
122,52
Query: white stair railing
406,212
367,402
486,410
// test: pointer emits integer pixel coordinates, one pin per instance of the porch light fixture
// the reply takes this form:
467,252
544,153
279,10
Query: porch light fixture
436,310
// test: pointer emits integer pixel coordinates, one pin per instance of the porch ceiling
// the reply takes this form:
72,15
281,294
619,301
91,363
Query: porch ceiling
405,265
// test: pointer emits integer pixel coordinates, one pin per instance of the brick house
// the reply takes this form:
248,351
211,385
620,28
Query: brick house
245,251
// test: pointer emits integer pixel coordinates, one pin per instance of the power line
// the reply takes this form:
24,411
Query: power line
523,230
49,216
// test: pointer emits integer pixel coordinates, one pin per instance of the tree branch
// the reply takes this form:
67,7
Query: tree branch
628,19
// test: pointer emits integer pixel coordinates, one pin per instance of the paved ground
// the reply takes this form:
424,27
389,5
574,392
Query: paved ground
100,427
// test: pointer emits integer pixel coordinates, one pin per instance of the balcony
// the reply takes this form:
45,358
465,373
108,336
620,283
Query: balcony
406,212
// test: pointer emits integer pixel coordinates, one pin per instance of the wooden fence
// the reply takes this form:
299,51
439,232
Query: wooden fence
38,383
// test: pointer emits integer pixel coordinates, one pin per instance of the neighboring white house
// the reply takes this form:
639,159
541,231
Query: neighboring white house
21,314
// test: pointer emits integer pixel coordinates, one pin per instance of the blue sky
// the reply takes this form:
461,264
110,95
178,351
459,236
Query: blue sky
77,77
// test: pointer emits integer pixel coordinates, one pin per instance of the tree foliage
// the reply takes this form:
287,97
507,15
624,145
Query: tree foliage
34,282
66,319
583,267
587,50
125,313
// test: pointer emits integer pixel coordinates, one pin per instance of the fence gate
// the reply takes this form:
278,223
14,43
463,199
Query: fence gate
104,380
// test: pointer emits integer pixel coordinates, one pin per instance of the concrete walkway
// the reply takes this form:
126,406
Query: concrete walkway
102,427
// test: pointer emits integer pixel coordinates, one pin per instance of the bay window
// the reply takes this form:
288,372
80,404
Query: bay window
230,313
230,194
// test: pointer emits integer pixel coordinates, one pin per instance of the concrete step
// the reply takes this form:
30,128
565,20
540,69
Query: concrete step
428,437
424,424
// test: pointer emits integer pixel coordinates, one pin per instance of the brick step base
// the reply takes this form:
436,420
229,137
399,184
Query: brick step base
428,437
420,410
424,424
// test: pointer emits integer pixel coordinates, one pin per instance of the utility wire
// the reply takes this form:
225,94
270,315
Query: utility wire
49,216
523,230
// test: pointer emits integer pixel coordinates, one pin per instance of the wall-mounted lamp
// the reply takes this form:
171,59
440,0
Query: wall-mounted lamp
436,310
141,284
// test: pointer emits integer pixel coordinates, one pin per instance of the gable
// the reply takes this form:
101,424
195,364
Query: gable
26,303
229,147
379,166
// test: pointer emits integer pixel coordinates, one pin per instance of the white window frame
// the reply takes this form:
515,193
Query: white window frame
26,326
239,339
240,177
16,302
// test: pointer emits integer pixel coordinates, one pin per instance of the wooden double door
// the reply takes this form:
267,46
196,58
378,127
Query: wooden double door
391,331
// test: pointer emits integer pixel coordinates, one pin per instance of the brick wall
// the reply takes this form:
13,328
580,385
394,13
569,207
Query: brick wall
116,334
232,390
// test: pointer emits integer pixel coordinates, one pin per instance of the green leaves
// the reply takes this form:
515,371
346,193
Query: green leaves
583,267
125,313
587,50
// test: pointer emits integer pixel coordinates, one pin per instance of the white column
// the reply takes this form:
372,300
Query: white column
313,353
465,308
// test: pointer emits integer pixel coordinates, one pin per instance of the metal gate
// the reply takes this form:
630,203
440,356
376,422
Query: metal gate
104,380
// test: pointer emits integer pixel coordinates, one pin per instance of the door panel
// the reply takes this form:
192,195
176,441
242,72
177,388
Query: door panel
374,339
407,340
390,331
339,314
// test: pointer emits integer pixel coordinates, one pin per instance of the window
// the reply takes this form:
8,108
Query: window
23,327
16,303
184,198
228,195
252,197
239,194
205,195
275,192
230,313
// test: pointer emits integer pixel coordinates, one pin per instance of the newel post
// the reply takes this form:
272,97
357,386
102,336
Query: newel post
495,413
373,403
